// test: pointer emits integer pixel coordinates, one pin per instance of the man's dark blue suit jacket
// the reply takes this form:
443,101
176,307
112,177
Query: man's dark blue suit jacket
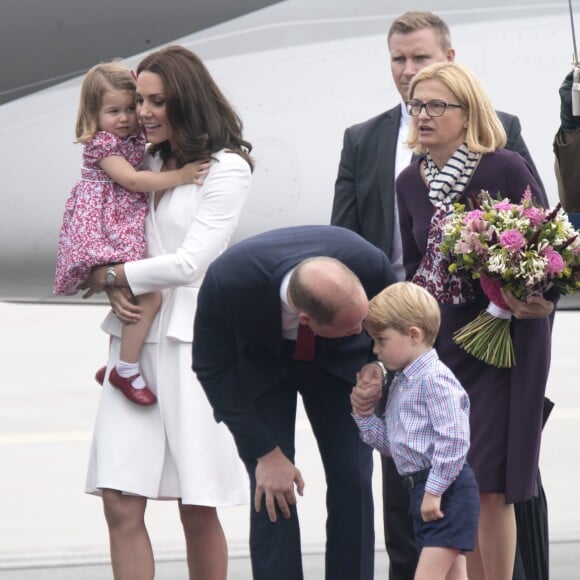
238,348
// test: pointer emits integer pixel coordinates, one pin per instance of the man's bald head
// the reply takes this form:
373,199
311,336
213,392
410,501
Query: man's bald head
328,296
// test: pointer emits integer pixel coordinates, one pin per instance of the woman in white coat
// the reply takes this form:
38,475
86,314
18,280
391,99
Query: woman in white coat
173,449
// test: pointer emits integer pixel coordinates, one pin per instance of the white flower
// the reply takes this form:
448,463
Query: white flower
497,263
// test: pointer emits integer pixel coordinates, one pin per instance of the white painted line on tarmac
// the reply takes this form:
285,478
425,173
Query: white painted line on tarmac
567,413
83,436
45,437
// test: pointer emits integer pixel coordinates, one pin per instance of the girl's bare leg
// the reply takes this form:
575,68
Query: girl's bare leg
207,551
131,551
134,335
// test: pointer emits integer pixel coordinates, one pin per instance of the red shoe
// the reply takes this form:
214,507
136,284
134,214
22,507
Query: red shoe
140,396
100,375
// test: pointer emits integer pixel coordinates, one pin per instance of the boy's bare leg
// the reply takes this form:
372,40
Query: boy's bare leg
435,564
459,569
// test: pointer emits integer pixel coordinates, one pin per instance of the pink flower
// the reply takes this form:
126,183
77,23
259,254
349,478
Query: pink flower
475,214
476,225
503,206
512,240
470,242
555,262
535,215
527,194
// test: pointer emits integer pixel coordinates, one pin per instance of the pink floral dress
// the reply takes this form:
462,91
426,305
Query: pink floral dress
102,222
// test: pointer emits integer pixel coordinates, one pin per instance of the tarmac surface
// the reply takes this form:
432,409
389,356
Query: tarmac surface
49,529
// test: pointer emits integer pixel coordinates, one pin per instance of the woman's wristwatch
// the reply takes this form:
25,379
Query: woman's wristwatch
111,276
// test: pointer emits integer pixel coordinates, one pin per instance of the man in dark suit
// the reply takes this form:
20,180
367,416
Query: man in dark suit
374,152
373,155
256,302
567,151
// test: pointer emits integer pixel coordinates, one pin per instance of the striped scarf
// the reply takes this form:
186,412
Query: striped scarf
446,185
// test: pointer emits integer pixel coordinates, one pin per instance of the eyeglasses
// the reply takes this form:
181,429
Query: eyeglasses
433,108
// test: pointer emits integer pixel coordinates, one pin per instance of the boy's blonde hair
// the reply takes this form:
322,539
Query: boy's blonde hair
103,77
485,133
402,305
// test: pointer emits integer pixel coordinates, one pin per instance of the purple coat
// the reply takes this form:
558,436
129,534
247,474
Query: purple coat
506,404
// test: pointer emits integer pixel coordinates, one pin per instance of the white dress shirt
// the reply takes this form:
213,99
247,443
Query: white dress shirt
402,160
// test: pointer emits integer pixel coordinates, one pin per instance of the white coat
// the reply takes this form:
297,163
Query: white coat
174,449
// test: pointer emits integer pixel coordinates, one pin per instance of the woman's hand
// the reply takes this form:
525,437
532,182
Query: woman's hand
535,306
123,304
96,282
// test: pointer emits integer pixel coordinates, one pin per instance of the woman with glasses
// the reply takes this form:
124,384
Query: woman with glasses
460,142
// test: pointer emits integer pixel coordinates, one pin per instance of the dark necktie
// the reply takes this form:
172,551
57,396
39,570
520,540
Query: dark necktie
304,349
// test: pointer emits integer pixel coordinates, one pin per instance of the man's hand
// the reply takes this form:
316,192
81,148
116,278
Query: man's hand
275,479
431,507
367,392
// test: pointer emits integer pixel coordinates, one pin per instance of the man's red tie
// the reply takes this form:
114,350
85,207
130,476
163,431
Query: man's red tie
304,349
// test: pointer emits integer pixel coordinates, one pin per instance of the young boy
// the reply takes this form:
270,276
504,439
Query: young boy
425,428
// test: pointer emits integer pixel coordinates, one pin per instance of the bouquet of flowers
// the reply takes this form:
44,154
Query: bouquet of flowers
521,247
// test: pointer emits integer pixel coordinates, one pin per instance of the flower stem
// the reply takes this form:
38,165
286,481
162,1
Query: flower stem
487,338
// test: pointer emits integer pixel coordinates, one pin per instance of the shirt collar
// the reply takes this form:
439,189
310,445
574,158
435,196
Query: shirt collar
289,315
405,117
420,365
284,292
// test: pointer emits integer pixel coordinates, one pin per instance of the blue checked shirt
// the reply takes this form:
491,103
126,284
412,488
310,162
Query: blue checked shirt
426,422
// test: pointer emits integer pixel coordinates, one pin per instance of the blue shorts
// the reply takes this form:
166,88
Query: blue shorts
460,506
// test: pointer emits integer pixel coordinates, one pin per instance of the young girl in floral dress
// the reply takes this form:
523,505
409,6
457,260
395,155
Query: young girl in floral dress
105,211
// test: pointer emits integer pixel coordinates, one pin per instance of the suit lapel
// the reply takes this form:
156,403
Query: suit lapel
386,155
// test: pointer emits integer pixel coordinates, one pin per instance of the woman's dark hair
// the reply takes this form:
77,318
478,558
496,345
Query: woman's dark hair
202,119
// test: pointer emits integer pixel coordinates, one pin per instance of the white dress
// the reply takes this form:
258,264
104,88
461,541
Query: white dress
174,449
